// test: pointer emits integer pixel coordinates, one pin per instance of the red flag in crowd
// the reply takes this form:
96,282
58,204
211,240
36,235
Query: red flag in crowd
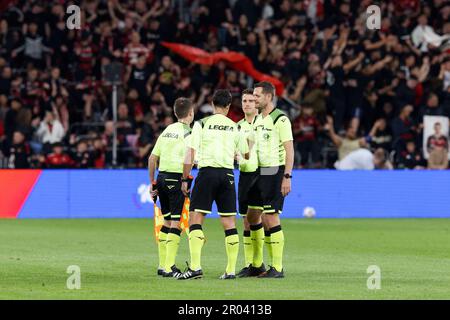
233,59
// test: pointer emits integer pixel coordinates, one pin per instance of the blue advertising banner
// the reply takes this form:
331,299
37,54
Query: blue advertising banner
332,194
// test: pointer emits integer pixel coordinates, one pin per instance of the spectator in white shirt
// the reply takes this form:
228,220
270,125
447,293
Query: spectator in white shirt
421,33
360,159
363,159
50,130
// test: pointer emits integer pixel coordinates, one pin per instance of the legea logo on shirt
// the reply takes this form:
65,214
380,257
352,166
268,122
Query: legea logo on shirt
170,135
220,127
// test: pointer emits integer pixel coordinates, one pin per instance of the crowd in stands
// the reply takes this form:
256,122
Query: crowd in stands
346,87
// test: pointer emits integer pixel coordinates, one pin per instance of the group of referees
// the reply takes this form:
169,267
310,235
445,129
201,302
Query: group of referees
262,145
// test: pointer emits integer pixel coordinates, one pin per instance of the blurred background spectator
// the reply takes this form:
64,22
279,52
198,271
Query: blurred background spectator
373,86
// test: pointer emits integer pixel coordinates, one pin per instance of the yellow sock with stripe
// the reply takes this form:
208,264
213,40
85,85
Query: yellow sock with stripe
268,244
173,241
248,248
162,246
277,239
257,237
232,249
196,241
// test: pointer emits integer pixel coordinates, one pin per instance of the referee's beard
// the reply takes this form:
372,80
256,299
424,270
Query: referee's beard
261,107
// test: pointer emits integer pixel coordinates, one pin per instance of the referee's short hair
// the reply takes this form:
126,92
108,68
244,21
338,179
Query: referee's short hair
182,107
221,98
267,87
247,91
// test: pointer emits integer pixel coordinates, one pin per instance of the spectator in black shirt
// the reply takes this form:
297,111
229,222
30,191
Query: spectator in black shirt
83,158
218,12
403,128
410,158
5,80
152,33
432,107
381,135
405,92
335,80
139,77
250,8
125,122
11,118
18,152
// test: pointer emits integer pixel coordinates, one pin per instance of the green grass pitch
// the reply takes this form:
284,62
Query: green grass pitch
324,259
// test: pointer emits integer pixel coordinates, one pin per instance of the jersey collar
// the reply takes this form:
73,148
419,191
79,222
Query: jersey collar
272,111
185,126
268,113
254,119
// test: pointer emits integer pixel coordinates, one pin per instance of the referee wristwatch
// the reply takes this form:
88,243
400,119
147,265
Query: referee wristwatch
287,176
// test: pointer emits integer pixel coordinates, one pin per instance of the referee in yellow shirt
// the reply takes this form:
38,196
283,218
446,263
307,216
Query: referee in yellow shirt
275,149
169,152
214,142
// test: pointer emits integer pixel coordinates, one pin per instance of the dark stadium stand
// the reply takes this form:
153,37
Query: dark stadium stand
372,86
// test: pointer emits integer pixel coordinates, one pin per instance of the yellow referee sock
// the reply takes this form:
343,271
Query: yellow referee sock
257,236
277,239
173,241
196,241
248,248
162,246
232,249
268,244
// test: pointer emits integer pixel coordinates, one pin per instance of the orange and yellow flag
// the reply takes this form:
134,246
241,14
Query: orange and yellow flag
184,222
159,219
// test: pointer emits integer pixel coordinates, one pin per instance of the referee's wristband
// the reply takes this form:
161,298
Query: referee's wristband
188,179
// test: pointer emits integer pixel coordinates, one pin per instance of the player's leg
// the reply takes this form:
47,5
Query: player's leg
231,245
277,244
254,214
162,246
267,240
172,244
201,204
177,199
165,210
245,183
226,207
273,205
257,236
248,246
196,242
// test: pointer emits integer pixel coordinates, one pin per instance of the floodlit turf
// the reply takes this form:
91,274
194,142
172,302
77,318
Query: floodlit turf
324,259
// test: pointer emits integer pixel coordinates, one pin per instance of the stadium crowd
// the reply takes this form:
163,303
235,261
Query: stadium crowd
346,87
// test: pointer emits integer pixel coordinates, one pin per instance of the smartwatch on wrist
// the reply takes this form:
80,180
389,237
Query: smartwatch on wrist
287,176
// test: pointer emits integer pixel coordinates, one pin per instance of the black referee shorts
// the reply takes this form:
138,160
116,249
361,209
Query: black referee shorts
170,195
266,194
247,181
214,184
